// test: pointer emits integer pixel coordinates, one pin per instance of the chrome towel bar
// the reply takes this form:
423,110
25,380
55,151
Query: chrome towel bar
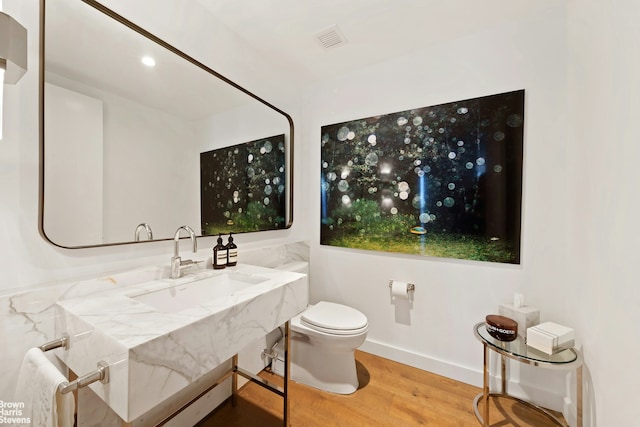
101,374
60,342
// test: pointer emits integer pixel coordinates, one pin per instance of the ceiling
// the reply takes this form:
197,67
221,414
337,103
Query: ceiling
278,33
375,30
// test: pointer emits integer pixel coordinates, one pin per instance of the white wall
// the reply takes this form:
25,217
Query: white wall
139,183
74,129
452,295
152,173
602,206
239,125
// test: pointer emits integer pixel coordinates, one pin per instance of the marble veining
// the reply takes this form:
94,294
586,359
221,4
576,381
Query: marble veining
155,354
29,319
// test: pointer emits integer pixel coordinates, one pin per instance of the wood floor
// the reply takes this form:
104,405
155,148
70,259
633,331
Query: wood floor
390,394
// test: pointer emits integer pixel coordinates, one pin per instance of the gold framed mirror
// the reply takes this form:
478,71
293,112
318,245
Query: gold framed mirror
121,141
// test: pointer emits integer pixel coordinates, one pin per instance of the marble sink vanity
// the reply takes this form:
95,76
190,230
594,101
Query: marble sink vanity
161,335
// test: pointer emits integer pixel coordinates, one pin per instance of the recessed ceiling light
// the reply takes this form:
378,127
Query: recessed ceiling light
148,61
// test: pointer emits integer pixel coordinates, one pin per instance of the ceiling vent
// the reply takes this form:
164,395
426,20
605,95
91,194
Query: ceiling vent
331,37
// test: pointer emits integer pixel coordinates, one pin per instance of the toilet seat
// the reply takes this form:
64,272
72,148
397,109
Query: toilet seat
336,319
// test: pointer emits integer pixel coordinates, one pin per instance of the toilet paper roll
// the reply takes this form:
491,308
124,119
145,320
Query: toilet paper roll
399,289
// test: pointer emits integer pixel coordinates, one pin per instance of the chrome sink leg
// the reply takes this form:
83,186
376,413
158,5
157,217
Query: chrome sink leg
287,372
234,381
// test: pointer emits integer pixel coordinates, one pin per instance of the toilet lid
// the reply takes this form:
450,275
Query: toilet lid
332,316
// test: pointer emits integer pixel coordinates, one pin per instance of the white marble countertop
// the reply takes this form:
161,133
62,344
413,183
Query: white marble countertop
152,353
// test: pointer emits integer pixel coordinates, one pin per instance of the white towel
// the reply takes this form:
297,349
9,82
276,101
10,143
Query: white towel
44,405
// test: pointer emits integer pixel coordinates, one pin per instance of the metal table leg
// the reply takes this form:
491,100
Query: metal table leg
484,418
503,372
486,394
485,386
287,366
579,396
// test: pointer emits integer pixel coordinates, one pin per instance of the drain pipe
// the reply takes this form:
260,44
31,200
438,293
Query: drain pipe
273,354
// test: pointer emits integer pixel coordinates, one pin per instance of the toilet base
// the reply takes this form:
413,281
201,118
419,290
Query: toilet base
336,373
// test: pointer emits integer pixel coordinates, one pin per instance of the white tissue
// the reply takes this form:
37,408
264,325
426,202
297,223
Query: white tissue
518,300
399,289
37,388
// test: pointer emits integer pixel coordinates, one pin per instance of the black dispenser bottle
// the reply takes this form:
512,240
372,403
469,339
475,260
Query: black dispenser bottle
220,255
232,252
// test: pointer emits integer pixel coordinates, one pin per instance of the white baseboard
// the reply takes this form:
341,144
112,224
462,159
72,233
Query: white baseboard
420,361
473,376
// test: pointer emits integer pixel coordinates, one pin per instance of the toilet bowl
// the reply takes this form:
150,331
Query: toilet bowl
324,339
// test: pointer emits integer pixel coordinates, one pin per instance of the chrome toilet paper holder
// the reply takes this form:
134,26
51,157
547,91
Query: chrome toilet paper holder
410,286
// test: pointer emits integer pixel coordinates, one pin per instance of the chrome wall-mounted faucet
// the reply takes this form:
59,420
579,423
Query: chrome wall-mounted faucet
147,228
176,262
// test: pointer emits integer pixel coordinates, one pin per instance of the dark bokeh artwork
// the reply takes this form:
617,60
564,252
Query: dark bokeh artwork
242,187
441,181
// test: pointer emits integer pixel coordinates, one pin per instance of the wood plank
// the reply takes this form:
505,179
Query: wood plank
390,394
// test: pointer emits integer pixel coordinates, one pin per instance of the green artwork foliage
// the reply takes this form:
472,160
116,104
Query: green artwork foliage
443,180
242,187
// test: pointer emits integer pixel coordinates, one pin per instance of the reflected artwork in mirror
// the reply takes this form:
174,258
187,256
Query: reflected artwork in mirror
242,188
121,138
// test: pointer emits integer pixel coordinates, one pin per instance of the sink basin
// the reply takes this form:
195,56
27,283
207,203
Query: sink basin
193,294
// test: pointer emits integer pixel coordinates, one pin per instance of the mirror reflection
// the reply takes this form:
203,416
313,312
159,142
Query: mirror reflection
242,187
129,124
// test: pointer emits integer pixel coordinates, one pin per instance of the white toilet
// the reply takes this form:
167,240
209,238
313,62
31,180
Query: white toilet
323,341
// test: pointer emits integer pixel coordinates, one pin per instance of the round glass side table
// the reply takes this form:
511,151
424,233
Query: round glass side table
518,350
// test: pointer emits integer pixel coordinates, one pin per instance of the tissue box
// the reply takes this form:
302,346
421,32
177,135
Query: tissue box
525,317
550,337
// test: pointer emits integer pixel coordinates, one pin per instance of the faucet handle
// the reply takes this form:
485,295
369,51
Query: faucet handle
178,265
176,271
190,262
